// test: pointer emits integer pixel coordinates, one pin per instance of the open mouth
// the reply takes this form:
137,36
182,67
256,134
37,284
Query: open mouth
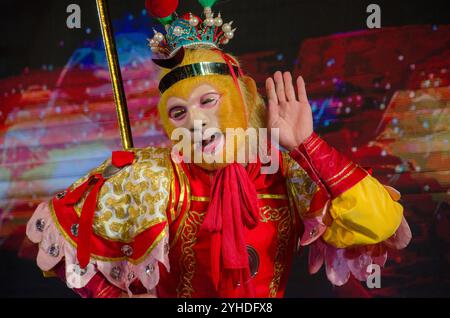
210,144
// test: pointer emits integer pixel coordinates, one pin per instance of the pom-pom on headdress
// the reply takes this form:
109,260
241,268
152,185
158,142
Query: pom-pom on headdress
189,31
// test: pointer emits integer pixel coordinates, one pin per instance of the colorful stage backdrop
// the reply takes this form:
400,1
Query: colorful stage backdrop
380,96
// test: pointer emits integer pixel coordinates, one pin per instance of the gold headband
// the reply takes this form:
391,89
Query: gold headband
196,69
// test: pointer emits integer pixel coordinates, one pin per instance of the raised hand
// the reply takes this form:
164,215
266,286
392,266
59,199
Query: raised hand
288,112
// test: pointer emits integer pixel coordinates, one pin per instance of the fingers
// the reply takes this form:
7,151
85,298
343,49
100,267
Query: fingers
274,112
279,86
273,109
288,87
271,93
301,90
281,89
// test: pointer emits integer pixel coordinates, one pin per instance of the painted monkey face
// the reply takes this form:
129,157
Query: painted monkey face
216,101
206,110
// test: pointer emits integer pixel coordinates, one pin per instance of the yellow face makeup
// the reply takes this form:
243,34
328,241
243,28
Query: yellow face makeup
213,100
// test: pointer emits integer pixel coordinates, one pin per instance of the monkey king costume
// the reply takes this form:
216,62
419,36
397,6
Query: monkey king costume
144,223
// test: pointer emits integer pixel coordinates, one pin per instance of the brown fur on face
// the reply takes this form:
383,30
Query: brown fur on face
234,111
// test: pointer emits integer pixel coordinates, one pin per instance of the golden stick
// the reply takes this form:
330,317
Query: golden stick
114,71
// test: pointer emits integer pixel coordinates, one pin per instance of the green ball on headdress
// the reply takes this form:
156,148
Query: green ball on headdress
207,3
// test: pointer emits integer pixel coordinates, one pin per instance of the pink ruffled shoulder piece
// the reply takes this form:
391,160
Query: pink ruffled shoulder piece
340,263
314,227
53,247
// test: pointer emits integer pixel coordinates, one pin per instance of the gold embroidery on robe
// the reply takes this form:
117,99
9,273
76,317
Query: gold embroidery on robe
135,198
188,261
300,187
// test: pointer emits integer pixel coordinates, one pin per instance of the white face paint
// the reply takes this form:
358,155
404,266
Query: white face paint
199,114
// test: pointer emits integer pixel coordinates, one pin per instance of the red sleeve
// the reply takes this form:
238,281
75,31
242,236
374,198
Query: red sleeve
328,168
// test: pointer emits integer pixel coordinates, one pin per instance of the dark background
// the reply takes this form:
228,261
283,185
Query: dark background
29,27
34,33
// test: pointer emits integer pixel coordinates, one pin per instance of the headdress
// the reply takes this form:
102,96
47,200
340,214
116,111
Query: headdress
189,31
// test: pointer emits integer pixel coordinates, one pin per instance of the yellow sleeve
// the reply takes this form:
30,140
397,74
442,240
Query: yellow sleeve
364,214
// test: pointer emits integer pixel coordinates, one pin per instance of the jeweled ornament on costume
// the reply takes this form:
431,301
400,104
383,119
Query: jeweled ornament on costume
188,30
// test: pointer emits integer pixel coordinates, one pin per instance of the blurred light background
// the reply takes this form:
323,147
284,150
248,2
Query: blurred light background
381,96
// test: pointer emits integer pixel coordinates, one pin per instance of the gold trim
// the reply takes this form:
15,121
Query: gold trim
180,227
102,258
272,196
338,181
284,217
104,290
313,143
172,194
268,213
49,274
339,173
285,157
60,228
186,210
292,206
181,179
310,152
140,259
260,196
284,231
187,259
149,224
188,191
200,199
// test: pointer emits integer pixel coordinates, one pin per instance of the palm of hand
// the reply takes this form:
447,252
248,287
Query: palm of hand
288,113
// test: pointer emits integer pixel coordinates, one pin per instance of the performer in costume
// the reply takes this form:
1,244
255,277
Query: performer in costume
146,224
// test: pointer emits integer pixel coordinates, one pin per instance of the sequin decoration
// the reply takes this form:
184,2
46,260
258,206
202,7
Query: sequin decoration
127,250
116,272
61,195
74,229
149,269
53,250
40,224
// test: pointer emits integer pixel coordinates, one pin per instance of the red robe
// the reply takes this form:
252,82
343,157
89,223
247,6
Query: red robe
289,201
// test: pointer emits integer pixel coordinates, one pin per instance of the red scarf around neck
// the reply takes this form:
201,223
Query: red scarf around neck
233,205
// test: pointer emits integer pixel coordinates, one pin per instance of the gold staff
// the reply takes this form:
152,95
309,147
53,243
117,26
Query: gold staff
114,71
